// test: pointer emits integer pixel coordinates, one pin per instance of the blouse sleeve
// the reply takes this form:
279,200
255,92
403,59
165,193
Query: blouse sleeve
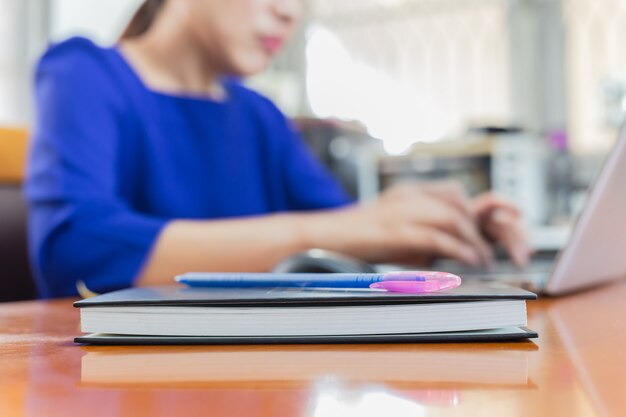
309,183
80,227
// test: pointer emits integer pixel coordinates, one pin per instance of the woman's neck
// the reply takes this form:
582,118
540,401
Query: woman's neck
169,60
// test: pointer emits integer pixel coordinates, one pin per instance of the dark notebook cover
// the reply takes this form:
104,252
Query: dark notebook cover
514,334
178,295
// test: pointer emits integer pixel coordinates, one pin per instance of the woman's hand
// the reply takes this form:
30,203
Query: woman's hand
414,223
417,222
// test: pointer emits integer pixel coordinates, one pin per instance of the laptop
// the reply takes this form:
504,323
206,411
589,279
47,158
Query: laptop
595,252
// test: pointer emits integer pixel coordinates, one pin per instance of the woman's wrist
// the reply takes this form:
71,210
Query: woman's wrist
335,230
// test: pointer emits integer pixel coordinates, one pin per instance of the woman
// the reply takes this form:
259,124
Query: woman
150,160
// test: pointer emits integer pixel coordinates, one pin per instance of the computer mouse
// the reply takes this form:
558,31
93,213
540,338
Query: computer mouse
320,261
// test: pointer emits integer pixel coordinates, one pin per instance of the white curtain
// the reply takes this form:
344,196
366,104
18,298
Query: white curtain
596,71
449,57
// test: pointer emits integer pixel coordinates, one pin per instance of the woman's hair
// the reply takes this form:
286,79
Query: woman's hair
143,19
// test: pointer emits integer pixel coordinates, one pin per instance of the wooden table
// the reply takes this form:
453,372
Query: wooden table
576,368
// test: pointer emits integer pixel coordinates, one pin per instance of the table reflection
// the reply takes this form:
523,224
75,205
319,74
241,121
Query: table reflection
298,366
586,337
332,400
326,380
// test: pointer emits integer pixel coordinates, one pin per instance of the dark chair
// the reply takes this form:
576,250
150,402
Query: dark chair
16,279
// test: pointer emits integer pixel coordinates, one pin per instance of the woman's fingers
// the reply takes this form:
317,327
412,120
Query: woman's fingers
439,213
508,230
502,222
466,229
447,212
487,202
441,244
451,192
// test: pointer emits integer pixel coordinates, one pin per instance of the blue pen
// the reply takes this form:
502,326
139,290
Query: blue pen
401,281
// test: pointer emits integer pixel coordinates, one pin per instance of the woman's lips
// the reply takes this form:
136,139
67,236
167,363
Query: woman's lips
272,44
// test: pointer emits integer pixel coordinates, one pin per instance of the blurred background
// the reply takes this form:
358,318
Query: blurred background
522,96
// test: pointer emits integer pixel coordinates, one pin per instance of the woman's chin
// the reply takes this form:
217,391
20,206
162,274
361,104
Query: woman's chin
251,67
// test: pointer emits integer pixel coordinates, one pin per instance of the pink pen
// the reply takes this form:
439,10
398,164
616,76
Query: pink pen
416,282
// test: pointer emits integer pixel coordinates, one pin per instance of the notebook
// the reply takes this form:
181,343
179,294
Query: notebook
183,315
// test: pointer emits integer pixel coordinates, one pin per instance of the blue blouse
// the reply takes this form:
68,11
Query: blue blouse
113,161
